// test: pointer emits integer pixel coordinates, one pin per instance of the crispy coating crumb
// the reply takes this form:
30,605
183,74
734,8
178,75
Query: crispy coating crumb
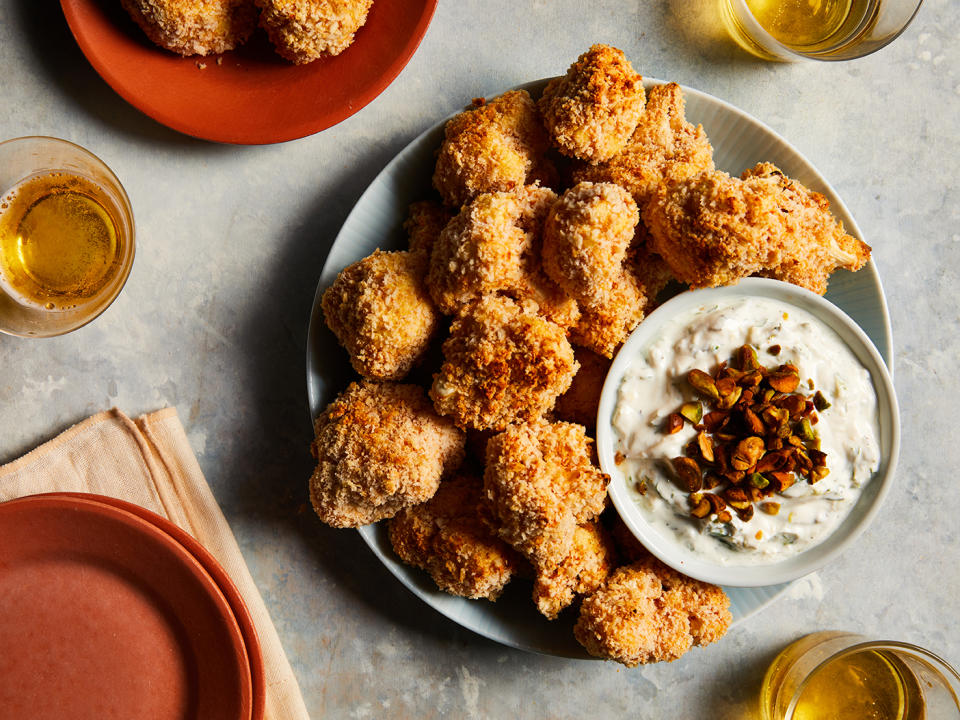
714,229
603,329
380,312
487,247
579,403
590,560
663,147
304,30
592,111
494,147
540,483
379,447
424,223
585,240
647,612
194,27
503,363
447,537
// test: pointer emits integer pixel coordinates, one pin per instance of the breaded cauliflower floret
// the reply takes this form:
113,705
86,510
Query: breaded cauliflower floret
663,147
585,240
487,247
425,221
503,363
494,147
647,612
603,329
447,537
379,447
540,483
304,30
381,313
590,560
592,111
579,403
194,27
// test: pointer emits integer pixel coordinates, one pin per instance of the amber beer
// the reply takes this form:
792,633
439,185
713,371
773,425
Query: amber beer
60,243
805,24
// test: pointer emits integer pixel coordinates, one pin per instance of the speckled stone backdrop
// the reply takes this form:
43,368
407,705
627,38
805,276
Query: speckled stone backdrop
231,240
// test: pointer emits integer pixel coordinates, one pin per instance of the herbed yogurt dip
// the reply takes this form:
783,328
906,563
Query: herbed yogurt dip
655,386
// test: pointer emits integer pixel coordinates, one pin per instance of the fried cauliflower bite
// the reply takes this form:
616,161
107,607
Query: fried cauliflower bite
304,30
447,537
503,363
381,313
592,111
579,403
585,240
591,559
379,447
647,613
425,221
487,247
194,27
813,244
540,483
663,147
494,147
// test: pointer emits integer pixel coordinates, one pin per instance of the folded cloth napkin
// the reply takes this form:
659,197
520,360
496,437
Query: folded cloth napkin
149,462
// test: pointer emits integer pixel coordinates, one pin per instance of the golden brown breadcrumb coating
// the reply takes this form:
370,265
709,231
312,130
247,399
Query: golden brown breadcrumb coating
585,240
496,146
663,147
647,612
379,447
447,537
603,328
304,30
591,559
592,111
540,483
487,247
381,313
424,223
194,27
579,403
503,363
714,229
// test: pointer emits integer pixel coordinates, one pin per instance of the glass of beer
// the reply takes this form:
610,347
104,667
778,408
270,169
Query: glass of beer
66,236
831,675
816,29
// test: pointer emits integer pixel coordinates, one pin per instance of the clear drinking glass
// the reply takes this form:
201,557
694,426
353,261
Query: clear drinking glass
822,30
66,236
842,675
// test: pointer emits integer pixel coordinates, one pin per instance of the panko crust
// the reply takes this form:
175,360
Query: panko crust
447,537
540,483
303,30
379,447
425,221
647,613
380,311
579,404
592,111
664,147
194,27
495,146
591,559
585,240
603,329
503,363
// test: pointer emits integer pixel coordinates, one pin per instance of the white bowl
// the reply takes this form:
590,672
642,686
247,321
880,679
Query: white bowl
664,545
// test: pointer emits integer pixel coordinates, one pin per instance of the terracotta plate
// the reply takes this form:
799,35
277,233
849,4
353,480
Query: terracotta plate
104,615
250,95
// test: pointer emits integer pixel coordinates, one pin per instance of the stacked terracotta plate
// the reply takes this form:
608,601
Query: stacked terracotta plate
110,611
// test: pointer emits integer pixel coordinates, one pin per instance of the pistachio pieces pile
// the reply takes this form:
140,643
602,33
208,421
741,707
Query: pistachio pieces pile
755,439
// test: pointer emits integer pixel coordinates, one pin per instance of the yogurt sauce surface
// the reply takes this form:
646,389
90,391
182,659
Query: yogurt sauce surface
655,385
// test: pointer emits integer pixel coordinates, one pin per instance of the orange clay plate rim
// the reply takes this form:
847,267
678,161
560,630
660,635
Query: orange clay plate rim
250,95
739,141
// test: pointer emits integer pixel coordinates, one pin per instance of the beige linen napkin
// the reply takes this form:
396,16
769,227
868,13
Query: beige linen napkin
149,462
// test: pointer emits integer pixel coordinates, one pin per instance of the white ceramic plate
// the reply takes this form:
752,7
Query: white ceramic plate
739,142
